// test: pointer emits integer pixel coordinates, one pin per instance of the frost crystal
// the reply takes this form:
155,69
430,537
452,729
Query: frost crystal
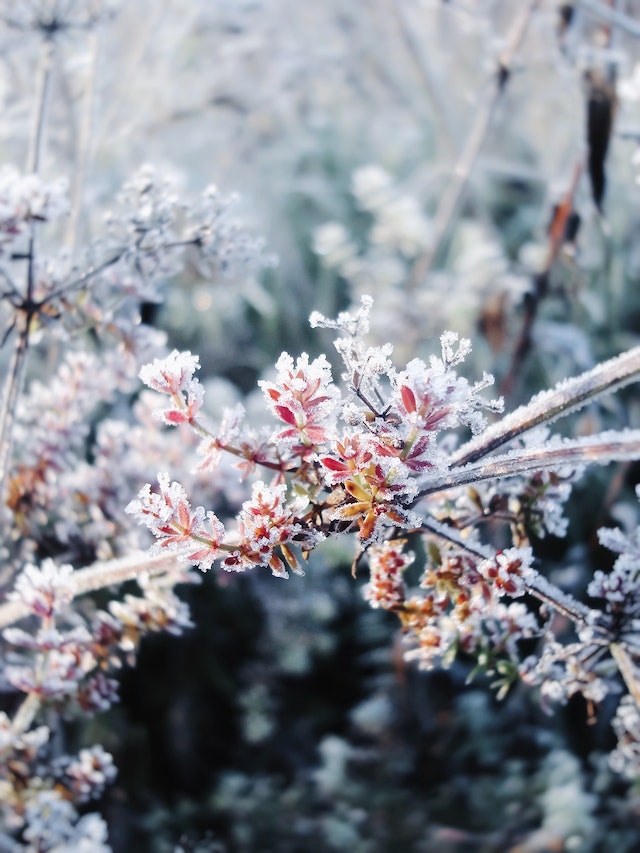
172,374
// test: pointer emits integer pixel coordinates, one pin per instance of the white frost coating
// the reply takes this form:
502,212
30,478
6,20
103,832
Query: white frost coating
567,397
469,542
610,446
543,589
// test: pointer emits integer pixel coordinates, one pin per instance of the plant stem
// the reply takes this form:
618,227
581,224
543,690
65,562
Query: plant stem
36,144
11,392
627,670
540,283
84,148
25,714
603,448
17,369
454,193
408,35
612,16
540,588
567,397
97,576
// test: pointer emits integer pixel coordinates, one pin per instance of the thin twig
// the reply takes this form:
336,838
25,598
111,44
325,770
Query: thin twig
34,156
11,392
25,714
627,670
407,33
82,279
450,534
13,293
452,198
539,587
549,594
84,145
540,283
15,378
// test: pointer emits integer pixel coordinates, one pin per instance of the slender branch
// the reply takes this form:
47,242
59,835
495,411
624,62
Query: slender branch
34,156
540,587
11,392
567,397
627,670
603,448
549,594
84,144
417,55
98,576
93,271
82,279
454,194
25,713
450,534
540,282
13,294
611,16
129,66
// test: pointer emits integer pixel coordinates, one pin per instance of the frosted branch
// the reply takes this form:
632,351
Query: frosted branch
606,447
97,576
568,396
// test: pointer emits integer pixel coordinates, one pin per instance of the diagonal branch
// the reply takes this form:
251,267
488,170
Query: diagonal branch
538,586
612,16
613,446
567,397
98,576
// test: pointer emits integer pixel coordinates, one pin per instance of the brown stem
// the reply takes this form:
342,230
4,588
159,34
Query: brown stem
540,283
17,369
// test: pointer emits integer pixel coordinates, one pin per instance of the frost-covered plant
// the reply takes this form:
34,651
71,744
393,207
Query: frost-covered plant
446,523
380,455
70,459
60,508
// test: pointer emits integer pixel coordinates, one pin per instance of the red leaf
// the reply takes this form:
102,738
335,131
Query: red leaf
286,415
408,399
333,464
